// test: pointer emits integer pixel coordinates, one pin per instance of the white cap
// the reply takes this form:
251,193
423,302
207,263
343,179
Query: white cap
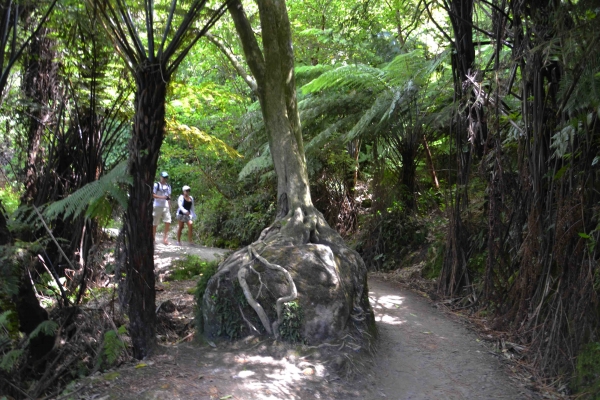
186,187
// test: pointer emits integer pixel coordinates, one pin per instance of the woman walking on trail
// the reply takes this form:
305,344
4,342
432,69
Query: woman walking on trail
185,213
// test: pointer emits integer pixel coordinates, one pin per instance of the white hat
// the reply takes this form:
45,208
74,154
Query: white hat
186,187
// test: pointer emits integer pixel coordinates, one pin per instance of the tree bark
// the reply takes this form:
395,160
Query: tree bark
147,136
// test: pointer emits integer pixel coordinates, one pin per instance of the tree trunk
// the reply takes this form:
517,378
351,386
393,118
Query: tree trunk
326,278
39,87
147,136
470,134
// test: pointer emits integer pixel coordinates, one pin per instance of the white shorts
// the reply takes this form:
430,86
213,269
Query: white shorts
161,213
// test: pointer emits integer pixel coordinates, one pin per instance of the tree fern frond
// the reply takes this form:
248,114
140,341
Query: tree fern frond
357,77
112,346
316,144
400,97
9,359
309,72
586,92
79,201
262,162
380,105
47,327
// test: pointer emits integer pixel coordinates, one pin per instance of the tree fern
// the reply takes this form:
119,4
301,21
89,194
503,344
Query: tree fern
47,328
80,201
257,164
358,77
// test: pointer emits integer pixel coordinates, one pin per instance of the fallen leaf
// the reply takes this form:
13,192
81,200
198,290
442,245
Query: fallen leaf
427,333
141,365
413,314
226,397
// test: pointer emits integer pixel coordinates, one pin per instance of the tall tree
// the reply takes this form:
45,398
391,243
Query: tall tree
469,135
299,241
152,57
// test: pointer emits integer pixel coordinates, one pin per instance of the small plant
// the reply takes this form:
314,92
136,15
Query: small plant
290,328
209,269
587,372
192,266
112,347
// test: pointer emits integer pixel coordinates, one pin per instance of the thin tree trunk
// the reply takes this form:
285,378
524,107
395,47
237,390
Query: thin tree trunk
434,178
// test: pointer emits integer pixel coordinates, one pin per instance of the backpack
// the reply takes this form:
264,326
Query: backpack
157,187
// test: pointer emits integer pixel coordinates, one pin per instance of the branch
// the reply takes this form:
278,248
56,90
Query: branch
252,52
437,25
249,79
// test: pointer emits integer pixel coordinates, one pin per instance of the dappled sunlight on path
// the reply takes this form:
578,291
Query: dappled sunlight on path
423,354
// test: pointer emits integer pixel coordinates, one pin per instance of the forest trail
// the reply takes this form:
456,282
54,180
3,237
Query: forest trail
422,353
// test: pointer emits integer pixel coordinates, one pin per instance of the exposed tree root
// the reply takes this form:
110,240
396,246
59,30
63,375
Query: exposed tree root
272,329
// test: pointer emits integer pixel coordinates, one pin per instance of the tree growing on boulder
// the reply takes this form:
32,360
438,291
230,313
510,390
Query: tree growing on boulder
298,258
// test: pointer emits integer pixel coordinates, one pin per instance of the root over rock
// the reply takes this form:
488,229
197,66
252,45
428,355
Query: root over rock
331,284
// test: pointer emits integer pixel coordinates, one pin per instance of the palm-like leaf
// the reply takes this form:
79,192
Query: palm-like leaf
78,202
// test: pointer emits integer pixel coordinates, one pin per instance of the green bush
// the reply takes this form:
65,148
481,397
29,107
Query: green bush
192,266
389,235
586,381
208,270
232,223
292,322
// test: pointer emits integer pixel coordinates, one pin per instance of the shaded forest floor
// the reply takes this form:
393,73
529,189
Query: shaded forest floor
423,352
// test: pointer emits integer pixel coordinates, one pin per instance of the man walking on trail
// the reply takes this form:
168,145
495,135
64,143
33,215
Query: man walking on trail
162,194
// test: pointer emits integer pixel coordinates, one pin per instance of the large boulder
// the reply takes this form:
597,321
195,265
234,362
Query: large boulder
332,302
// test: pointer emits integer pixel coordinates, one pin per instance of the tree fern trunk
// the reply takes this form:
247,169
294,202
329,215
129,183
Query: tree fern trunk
146,139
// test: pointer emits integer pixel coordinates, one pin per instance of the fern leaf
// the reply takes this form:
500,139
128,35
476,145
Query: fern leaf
10,359
112,347
262,162
47,327
79,201
357,77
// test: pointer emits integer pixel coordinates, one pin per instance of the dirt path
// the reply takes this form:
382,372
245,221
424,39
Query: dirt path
422,354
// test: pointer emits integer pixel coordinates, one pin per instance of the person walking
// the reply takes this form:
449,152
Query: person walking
161,192
185,213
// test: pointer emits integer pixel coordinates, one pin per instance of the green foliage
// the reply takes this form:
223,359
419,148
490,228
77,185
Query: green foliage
435,260
293,317
207,271
389,235
587,372
10,358
193,266
238,221
9,326
9,199
88,197
231,323
112,346
47,328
